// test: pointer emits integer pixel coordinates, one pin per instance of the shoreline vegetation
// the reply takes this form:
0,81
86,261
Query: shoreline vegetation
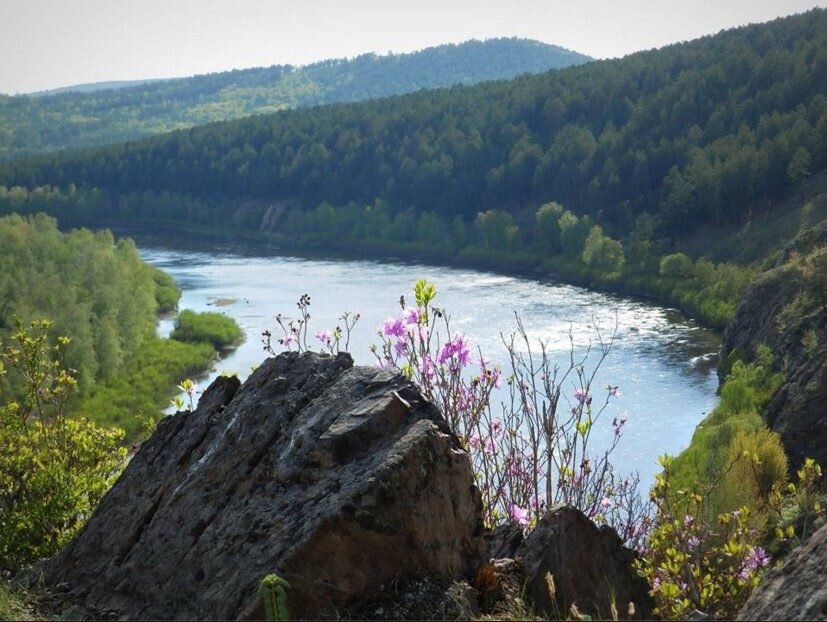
97,291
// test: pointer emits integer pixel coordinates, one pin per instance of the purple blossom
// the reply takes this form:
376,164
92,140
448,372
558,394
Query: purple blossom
393,327
412,316
457,350
400,347
693,542
614,391
325,336
496,427
755,558
287,340
427,368
580,394
518,514
606,503
513,468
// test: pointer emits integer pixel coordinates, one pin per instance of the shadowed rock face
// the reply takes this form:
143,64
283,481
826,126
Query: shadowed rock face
767,316
589,565
796,590
335,478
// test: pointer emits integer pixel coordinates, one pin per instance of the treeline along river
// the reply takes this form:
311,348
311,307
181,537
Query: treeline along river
662,362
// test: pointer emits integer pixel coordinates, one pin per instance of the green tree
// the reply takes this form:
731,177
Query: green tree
495,229
799,168
573,233
53,469
547,235
602,252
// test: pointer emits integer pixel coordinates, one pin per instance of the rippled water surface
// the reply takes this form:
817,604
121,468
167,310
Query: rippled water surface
663,363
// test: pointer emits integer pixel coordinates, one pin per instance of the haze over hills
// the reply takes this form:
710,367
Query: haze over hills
109,112
91,87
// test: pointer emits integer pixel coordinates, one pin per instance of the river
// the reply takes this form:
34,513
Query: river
662,361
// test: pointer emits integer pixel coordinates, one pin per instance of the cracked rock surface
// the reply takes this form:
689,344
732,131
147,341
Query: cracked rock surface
336,478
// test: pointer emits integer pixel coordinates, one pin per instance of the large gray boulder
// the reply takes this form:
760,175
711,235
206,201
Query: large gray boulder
797,589
337,479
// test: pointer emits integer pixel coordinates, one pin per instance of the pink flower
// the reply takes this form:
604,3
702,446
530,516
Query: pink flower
393,327
457,350
412,316
518,514
606,503
755,558
580,395
426,368
287,340
400,347
325,336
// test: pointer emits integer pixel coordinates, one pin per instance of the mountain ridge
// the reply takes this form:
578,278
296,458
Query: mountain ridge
31,124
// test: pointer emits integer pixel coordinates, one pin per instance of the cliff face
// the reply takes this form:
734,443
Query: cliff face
786,309
337,479
796,590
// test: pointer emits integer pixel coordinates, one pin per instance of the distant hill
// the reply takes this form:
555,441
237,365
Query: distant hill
102,113
92,87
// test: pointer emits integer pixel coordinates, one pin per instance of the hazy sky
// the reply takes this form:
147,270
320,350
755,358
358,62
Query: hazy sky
50,43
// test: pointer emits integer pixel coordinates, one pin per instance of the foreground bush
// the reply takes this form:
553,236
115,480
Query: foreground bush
219,330
53,469
733,459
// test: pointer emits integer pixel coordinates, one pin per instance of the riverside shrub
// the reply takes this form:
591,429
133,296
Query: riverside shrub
215,328
53,469
691,564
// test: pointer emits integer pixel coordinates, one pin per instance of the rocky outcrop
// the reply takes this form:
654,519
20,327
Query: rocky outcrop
340,480
796,590
782,310
565,561
589,566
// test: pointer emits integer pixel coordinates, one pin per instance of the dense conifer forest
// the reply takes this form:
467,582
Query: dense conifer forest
693,133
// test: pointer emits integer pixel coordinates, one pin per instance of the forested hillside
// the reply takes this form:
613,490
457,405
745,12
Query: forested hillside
692,133
90,115
597,173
